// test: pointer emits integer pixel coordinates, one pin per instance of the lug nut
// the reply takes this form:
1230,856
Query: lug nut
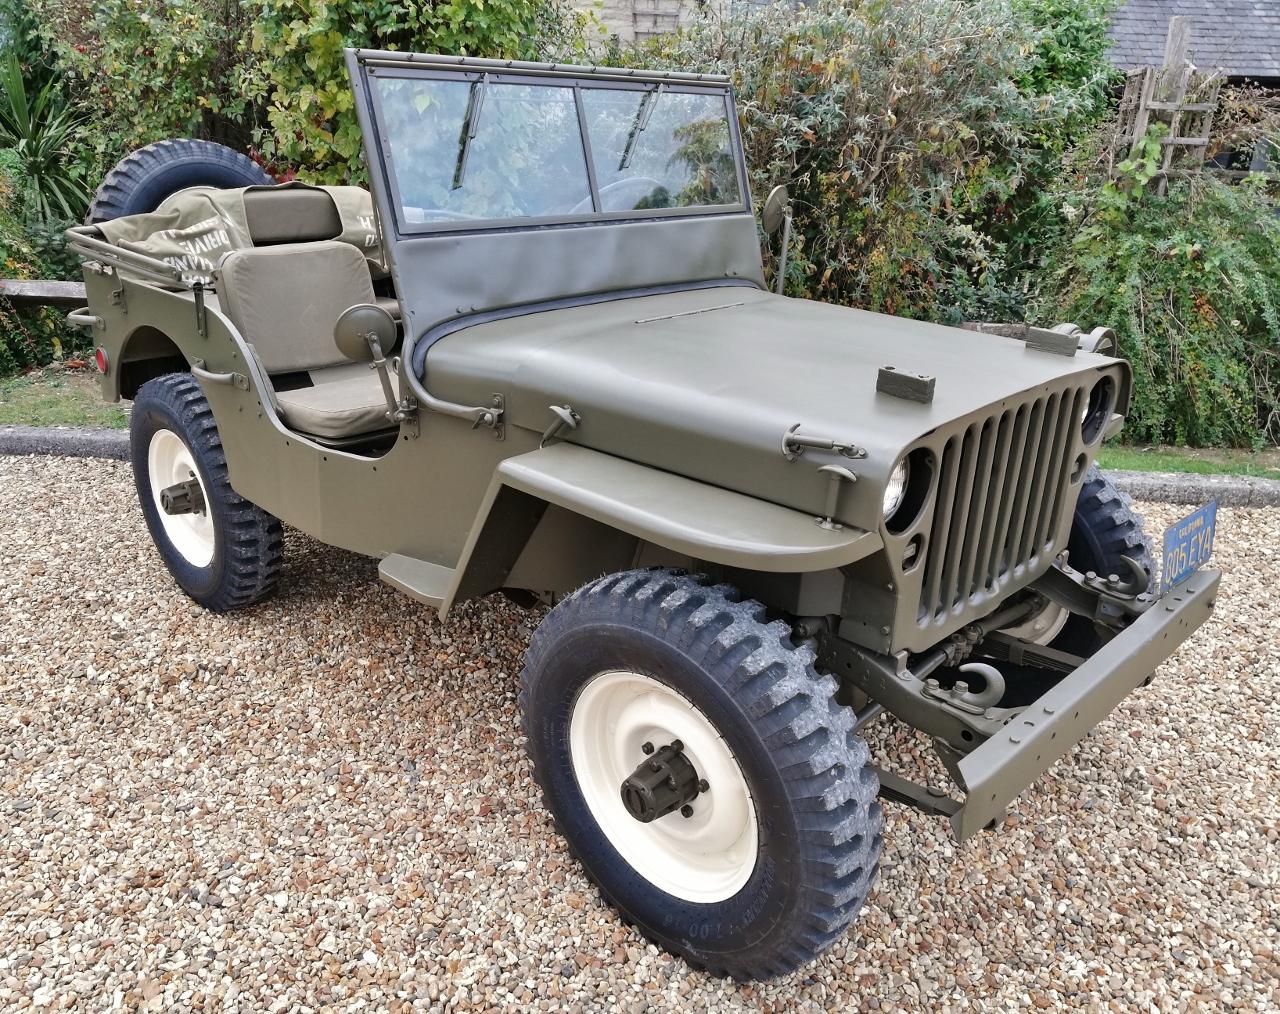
686,811
702,785
647,748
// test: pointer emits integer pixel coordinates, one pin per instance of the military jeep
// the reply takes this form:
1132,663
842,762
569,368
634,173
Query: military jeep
539,357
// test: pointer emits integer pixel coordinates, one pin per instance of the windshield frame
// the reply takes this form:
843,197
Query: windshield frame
576,84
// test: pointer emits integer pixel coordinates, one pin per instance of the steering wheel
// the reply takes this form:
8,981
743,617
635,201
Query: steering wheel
643,185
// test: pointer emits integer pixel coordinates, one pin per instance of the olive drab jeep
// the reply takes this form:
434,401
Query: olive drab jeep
538,356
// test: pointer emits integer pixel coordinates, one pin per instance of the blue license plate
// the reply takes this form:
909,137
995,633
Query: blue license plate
1188,544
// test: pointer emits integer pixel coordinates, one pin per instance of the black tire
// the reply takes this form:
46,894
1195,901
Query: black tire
145,178
1104,532
819,824
248,543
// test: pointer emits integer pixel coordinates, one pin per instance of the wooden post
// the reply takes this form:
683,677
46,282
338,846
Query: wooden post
1171,88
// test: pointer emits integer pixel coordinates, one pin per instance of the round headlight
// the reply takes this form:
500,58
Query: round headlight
1097,409
895,489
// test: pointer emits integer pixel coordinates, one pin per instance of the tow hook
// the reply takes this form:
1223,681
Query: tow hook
183,498
1110,600
665,781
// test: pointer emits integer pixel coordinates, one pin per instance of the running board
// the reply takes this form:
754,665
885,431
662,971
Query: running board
426,582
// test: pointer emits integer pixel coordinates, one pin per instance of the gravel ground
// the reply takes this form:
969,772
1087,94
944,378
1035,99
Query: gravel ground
323,804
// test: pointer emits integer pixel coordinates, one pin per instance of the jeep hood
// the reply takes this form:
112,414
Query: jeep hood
705,383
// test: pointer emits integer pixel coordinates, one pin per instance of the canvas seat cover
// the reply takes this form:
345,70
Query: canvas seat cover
345,401
284,300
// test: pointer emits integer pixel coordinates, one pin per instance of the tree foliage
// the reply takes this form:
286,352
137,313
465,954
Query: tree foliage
301,79
902,130
266,74
1190,282
145,70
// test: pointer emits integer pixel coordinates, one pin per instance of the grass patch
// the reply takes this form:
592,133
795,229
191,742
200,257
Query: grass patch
58,398
1204,461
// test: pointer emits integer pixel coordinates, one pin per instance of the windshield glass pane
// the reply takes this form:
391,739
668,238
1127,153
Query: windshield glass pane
465,150
660,149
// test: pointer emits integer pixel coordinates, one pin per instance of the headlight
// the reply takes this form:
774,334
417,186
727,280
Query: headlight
1097,409
895,489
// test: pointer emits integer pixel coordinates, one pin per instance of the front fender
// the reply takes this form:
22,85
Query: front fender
705,523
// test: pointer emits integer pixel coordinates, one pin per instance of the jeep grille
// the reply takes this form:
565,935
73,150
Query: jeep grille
1001,486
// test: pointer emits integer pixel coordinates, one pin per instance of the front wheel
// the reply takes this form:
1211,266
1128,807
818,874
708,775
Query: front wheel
223,551
702,771
1107,537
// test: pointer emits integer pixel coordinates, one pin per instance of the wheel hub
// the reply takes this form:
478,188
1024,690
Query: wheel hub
710,851
180,498
664,782
183,498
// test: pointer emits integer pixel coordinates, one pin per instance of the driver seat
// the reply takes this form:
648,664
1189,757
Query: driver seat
285,300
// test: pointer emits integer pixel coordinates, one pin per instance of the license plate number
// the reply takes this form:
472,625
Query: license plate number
1188,544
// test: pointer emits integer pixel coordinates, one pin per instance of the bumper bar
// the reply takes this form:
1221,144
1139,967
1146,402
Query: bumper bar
996,772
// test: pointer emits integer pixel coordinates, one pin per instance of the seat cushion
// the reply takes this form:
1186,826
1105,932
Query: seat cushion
346,401
285,300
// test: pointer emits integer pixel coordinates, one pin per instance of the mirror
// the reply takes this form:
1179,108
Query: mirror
775,209
355,326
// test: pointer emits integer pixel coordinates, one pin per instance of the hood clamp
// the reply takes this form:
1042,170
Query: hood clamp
565,418
794,444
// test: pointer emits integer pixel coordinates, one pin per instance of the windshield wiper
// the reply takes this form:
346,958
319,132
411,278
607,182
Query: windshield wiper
638,126
469,126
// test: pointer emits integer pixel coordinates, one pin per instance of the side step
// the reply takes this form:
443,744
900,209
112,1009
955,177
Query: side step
426,582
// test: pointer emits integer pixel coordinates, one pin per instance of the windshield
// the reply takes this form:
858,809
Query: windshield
484,148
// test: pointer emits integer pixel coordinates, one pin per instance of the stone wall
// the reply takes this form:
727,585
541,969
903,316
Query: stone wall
637,20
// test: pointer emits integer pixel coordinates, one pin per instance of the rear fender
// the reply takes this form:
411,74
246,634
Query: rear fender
613,507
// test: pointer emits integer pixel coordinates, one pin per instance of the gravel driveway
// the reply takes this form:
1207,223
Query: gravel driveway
323,804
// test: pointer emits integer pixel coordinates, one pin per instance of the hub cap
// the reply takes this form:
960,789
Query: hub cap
704,857
169,463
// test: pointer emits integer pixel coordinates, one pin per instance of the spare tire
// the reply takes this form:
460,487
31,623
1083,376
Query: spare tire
145,178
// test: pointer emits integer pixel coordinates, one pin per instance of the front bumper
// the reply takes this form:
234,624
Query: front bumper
996,772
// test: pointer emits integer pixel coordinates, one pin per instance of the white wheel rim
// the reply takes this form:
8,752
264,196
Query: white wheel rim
169,462
704,858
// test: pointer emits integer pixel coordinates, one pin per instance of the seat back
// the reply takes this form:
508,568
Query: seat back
291,214
285,299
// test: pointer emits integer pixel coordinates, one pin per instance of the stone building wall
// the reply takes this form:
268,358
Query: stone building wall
637,20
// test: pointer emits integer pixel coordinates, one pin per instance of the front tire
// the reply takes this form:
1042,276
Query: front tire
1105,532
226,555
773,862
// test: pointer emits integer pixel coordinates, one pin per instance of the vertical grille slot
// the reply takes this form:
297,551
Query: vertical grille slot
999,499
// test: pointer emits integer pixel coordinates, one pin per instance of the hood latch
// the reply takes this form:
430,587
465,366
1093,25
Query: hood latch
795,444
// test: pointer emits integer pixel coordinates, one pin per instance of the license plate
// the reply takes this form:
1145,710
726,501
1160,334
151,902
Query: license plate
1188,544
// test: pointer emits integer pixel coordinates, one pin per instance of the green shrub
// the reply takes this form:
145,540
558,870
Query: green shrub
1068,70
28,337
145,70
1191,283
264,74
301,78
1068,61
900,128
38,130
